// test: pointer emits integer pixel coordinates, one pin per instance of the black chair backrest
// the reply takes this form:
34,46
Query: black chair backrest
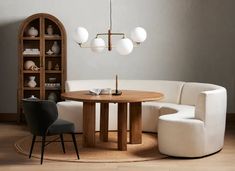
39,114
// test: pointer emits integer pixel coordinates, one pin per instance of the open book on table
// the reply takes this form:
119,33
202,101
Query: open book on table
100,91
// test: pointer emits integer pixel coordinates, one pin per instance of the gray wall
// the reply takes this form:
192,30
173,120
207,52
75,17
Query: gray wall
188,40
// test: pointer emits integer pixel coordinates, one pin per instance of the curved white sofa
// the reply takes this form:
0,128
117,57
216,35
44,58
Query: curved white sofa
190,120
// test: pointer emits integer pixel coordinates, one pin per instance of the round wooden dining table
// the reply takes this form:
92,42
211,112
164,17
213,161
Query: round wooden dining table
132,97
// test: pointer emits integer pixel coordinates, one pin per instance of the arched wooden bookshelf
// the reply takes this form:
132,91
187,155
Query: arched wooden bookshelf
51,73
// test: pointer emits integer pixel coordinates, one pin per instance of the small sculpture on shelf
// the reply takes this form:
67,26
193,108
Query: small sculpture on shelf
49,52
50,30
30,65
57,67
32,83
55,48
33,32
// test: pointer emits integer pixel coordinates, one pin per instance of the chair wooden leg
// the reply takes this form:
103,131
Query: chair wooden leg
42,149
62,142
75,145
32,145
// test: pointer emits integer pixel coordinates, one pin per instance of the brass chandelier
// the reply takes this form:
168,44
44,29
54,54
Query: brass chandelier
124,46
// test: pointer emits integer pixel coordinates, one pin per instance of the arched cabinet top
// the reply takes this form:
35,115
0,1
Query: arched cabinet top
40,22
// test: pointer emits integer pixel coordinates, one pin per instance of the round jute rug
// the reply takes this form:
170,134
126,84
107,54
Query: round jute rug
103,152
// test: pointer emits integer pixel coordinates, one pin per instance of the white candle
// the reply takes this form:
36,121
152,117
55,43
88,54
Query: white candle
116,83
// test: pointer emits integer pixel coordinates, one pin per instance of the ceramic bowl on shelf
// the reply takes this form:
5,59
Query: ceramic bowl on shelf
49,52
52,79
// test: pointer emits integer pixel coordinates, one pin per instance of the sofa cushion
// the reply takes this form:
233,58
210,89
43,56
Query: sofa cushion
76,85
184,111
152,110
150,114
71,111
170,89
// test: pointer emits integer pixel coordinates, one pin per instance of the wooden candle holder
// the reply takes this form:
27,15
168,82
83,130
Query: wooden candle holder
117,92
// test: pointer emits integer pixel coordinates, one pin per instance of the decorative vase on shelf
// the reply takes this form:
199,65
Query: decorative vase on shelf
50,30
49,65
32,83
33,32
52,96
55,48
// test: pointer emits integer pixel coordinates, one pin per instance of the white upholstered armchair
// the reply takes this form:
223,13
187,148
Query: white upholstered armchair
183,135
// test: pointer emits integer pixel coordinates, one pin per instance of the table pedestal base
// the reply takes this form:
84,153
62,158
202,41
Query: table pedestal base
135,124
88,124
104,121
122,126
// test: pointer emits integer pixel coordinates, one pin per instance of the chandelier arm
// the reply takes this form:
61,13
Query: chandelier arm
113,46
122,34
115,34
82,45
101,34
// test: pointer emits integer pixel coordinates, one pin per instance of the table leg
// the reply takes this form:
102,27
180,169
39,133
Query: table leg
88,124
104,121
135,123
122,126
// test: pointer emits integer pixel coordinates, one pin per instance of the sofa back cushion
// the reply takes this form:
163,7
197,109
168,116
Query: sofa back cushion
76,85
170,89
190,92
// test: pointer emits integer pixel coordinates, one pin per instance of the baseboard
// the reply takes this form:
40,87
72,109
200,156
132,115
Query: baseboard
8,117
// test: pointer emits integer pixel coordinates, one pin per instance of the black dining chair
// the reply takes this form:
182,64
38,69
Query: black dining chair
42,119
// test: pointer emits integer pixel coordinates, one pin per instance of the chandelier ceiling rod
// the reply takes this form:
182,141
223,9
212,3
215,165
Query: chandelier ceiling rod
110,14
110,29
110,26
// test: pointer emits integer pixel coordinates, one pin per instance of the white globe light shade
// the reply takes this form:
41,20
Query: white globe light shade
124,46
97,45
81,35
138,34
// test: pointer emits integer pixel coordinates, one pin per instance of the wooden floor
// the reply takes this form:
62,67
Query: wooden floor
11,161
